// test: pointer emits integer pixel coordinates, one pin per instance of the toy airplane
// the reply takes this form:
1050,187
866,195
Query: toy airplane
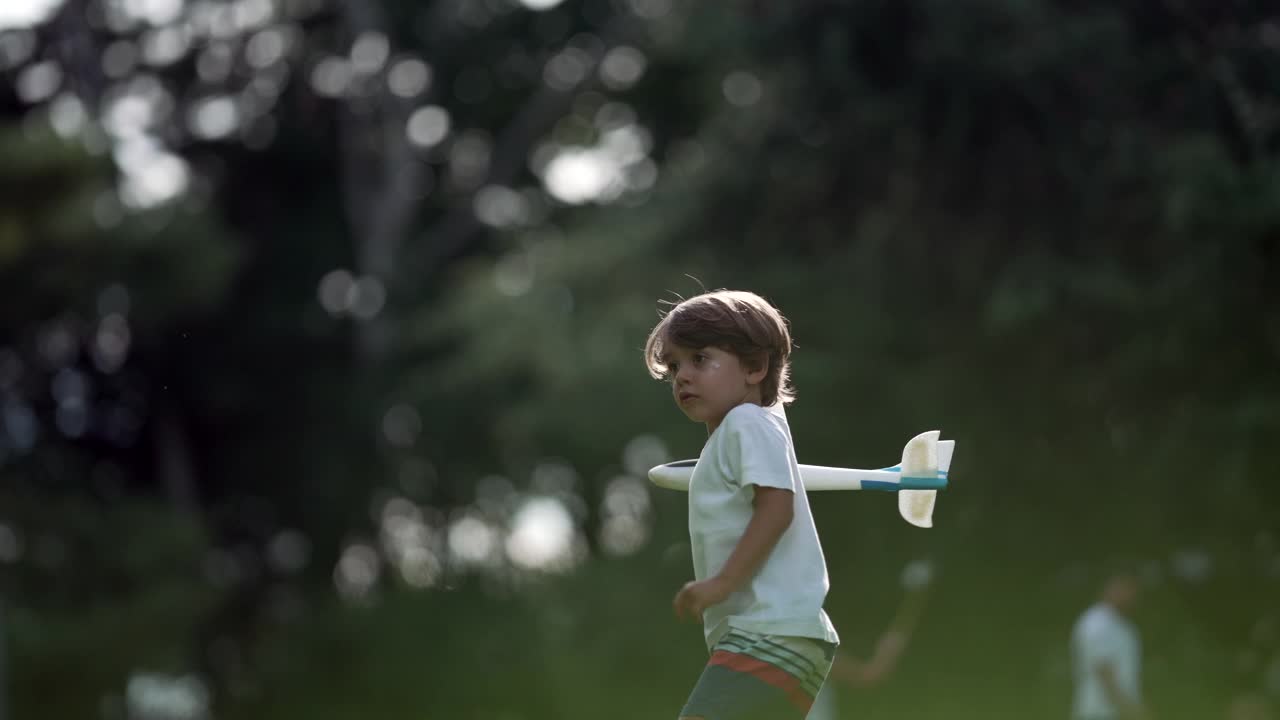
917,479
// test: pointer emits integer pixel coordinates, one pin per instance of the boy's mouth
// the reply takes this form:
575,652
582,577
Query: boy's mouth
686,397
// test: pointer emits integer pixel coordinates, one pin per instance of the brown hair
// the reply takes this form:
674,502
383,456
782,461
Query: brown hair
739,322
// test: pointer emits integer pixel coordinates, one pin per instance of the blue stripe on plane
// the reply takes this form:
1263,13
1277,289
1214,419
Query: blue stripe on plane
907,483
898,469
923,483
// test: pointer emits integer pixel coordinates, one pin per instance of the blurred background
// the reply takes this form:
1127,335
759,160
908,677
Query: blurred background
321,389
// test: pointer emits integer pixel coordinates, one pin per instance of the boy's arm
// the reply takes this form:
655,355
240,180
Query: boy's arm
774,508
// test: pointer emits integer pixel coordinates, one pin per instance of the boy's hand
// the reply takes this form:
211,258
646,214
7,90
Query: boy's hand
699,595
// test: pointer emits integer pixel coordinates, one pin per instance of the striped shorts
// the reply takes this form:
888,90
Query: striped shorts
760,677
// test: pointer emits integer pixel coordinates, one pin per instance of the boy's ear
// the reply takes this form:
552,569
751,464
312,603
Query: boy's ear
756,376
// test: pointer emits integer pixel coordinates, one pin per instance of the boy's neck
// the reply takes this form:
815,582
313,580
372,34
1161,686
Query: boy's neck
711,428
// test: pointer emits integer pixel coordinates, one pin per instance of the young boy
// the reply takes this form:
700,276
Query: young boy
759,575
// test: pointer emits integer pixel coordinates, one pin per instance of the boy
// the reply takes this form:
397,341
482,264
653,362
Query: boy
759,575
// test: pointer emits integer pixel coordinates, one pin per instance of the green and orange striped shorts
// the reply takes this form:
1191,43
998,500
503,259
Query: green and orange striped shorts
760,677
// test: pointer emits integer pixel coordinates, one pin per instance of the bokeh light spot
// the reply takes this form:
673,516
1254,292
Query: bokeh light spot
566,69
643,452
214,118
357,572
67,115
624,535
334,290
39,81
501,207
409,78
331,77
16,46
622,67
542,535
289,551
472,541
428,126
370,52
155,12
165,45
266,48
742,88
26,13
401,425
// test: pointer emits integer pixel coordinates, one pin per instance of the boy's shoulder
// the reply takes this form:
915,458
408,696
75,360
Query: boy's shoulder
746,413
750,415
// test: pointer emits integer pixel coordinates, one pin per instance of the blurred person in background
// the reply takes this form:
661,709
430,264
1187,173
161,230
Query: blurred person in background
1106,655
852,672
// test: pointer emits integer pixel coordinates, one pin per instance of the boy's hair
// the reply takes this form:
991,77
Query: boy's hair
739,322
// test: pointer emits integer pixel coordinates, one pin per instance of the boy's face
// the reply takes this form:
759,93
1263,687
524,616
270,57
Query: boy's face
709,382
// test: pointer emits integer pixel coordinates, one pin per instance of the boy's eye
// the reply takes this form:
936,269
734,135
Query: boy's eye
698,359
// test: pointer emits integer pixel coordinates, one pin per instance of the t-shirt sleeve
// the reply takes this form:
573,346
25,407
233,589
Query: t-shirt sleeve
757,452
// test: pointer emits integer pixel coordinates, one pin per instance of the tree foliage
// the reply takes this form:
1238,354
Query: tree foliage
297,294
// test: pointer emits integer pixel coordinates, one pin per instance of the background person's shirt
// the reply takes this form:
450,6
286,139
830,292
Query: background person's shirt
752,446
1103,635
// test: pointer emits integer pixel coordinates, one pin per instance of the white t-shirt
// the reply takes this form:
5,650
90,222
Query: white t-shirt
752,446
1103,635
